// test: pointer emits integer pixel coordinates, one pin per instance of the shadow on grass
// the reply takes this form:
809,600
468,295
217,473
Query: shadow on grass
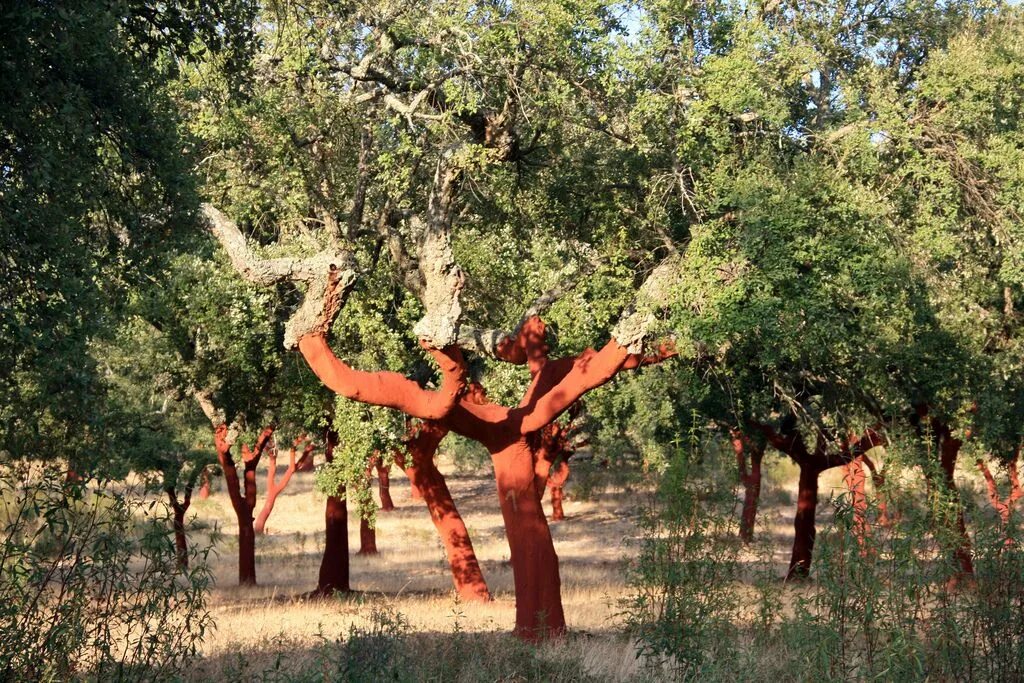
386,650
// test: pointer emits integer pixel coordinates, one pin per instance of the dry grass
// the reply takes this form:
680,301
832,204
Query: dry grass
271,626
410,575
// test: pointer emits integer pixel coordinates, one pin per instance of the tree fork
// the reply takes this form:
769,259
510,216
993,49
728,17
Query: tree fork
1003,506
274,486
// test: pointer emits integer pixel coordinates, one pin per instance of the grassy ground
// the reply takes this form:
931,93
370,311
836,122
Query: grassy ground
410,575
272,628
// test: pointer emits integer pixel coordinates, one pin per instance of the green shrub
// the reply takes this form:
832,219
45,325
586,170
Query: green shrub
89,584
684,604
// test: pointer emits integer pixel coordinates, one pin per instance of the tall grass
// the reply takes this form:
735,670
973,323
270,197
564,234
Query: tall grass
879,607
89,584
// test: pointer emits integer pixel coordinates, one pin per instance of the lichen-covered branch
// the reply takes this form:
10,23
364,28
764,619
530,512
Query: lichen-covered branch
328,275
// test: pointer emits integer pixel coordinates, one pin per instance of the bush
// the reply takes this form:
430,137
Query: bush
685,604
89,583
878,607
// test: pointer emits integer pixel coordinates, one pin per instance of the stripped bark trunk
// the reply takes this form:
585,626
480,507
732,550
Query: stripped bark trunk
855,479
204,484
243,504
1003,506
949,451
539,612
811,464
367,538
804,528
509,435
334,567
948,448
424,476
750,479
178,510
367,533
556,483
275,486
384,486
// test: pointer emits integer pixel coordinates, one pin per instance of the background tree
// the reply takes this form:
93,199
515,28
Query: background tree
94,187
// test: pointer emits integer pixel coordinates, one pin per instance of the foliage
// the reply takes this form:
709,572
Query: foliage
362,431
881,606
93,189
90,584
683,604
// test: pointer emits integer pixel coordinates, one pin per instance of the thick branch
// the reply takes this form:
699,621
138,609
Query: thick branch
589,371
443,279
388,389
655,294
329,275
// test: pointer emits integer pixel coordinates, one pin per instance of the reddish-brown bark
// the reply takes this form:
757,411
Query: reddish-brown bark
749,478
424,476
1003,506
948,447
556,444
388,389
334,567
804,528
507,434
276,486
306,464
178,510
367,537
855,480
539,611
243,501
204,484
367,533
949,451
383,481
885,515
811,464
556,483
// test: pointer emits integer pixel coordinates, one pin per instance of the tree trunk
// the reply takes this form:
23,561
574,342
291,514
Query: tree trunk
855,478
949,451
384,485
270,497
885,519
426,478
180,540
306,465
334,567
557,512
246,552
751,481
414,491
803,523
539,613
556,482
367,537
242,508
204,485
1004,507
